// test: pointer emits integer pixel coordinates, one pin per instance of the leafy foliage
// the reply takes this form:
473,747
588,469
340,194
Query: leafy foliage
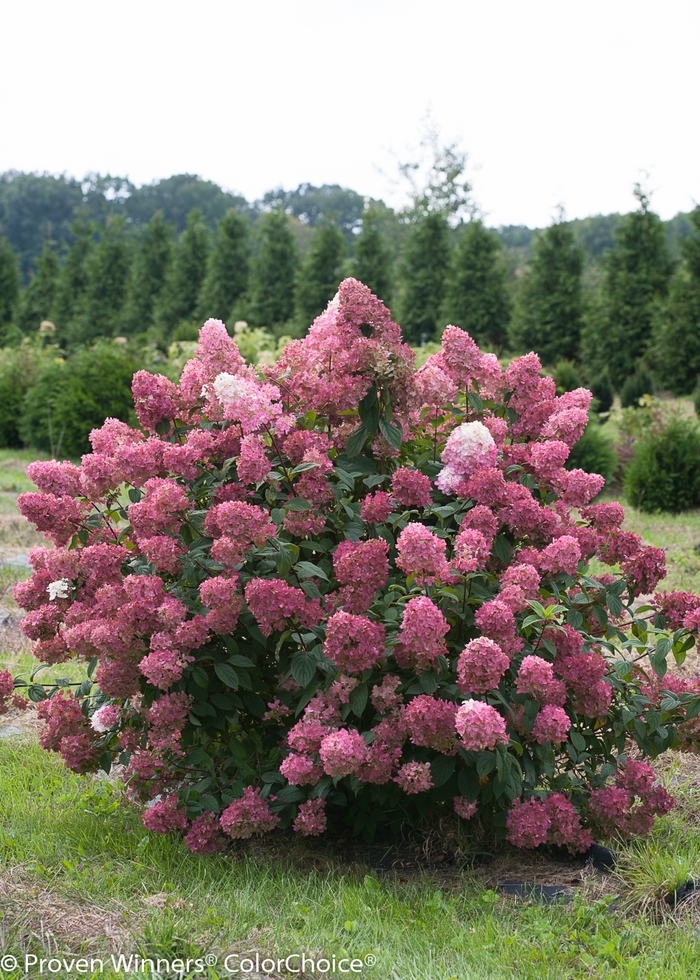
549,311
635,387
664,474
70,398
476,297
273,272
677,337
320,272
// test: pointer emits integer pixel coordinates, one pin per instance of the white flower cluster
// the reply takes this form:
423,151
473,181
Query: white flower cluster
60,589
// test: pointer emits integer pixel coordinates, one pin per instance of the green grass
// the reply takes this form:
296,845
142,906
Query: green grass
71,847
13,478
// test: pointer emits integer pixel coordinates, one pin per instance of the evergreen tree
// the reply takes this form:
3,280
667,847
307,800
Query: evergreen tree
549,311
74,276
151,265
676,353
107,269
425,263
372,264
9,282
320,273
37,300
227,270
637,275
476,297
273,272
178,300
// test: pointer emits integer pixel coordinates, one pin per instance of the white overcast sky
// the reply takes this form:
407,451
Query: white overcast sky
556,101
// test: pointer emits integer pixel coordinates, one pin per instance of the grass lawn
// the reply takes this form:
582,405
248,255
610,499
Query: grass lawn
79,875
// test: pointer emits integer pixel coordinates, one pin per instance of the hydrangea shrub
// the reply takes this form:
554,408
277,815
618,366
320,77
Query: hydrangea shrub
342,592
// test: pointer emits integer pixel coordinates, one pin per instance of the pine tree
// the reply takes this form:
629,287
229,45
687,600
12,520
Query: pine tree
178,300
320,273
676,348
37,300
273,272
476,296
425,264
372,264
549,311
74,276
152,261
9,282
107,269
227,270
637,276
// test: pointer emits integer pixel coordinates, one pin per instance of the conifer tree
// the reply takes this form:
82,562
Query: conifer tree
180,295
320,274
152,260
273,272
476,296
372,264
9,282
424,267
676,350
74,275
227,269
637,276
549,311
37,300
107,269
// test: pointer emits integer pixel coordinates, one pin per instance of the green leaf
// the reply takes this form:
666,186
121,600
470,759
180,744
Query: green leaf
577,740
485,763
475,402
614,604
369,411
303,667
574,618
356,441
502,548
200,677
392,433
307,569
468,783
441,768
358,699
429,682
227,674
297,504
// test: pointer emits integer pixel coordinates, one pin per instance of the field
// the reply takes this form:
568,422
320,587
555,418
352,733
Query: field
79,875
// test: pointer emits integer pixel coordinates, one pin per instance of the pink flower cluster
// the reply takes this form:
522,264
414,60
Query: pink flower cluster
481,666
248,815
274,604
354,643
535,821
480,726
362,568
421,637
632,803
422,554
431,722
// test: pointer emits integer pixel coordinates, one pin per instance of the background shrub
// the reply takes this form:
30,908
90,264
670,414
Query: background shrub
635,387
74,396
664,474
602,392
567,376
19,367
593,453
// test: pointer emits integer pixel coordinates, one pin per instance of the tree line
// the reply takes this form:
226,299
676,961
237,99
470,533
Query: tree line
616,295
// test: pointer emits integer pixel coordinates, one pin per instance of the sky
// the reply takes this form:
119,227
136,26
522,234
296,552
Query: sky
556,103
